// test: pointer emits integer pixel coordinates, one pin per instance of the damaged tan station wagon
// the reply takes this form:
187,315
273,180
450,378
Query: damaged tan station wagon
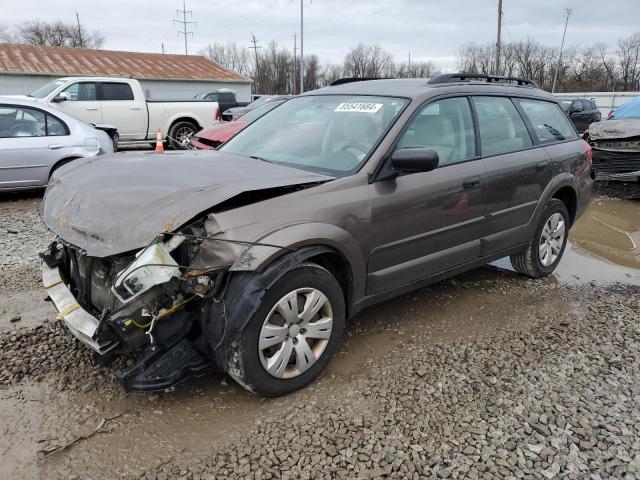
251,258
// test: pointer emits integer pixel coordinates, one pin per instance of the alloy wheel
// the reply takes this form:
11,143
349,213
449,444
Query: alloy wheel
552,239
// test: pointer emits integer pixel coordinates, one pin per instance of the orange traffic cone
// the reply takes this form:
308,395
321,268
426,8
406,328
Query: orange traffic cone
159,145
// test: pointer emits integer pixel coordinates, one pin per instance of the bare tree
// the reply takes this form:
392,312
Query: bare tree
229,56
589,68
368,61
628,59
5,34
58,34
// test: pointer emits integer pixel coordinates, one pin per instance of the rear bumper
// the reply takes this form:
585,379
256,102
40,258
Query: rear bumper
82,324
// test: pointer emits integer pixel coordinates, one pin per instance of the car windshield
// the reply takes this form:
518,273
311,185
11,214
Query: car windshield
256,113
261,101
46,89
628,110
332,134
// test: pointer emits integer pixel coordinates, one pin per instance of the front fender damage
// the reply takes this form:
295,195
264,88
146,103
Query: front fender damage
160,304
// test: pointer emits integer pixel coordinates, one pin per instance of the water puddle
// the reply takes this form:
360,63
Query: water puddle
603,247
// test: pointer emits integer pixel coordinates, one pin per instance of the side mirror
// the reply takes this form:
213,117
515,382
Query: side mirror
412,160
61,97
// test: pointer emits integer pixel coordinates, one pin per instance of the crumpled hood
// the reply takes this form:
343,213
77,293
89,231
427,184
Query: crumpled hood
614,129
117,203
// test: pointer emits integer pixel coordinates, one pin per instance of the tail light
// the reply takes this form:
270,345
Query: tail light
588,151
218,115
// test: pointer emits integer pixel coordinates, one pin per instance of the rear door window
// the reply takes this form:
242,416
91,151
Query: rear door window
116,91
445,126
549,122
502,130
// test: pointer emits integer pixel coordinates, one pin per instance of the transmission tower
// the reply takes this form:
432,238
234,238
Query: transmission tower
185,24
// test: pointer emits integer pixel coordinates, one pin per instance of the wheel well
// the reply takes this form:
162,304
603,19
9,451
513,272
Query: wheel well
339,267
192,121
568,196
59,163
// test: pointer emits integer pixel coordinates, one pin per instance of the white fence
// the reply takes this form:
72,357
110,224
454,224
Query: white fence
606,101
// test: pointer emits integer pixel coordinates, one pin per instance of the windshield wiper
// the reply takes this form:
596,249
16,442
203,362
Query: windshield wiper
256,157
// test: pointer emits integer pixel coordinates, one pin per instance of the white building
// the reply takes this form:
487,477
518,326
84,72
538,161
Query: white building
24,68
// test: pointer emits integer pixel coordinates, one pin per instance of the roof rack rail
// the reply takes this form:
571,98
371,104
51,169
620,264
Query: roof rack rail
468,77
342,81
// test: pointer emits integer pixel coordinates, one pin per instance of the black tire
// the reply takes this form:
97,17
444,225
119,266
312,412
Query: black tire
244,364
177,132
528,262
115,139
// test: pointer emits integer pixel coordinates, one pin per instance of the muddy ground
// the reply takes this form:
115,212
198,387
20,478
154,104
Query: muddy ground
487,375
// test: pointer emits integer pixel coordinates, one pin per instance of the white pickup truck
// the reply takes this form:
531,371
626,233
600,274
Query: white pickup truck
121,102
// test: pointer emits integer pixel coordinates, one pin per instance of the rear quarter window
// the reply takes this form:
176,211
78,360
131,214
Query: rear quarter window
549,122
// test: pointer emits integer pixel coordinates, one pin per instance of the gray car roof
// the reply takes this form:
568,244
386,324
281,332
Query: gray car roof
419,88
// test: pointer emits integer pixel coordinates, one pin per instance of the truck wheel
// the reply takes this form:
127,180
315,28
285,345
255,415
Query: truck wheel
293,334
115,139
180,133
548,243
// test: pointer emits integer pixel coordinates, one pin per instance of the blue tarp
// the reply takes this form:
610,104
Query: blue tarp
631,109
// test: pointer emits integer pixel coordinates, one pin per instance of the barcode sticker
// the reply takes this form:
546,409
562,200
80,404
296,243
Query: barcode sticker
360,107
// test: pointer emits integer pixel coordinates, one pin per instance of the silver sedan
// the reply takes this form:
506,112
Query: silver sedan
36,139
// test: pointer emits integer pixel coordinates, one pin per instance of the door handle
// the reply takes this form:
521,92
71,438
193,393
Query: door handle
91,109
55,146
471,182
540,166
135,108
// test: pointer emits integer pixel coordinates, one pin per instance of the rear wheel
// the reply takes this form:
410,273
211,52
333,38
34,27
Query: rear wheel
293,334
180,133
548,243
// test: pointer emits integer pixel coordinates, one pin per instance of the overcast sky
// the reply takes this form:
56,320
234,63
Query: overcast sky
429,29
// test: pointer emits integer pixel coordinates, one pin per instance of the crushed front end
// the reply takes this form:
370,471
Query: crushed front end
148,304
616,157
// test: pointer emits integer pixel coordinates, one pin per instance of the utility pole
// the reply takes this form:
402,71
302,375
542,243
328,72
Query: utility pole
568,12
162,47
499,38
184,24
301,46
295,61
409,66
79,30
255,51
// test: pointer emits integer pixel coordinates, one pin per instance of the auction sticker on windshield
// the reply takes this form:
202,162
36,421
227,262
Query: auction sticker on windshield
359,107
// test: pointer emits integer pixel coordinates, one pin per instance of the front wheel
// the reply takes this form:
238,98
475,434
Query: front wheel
293,334
548,243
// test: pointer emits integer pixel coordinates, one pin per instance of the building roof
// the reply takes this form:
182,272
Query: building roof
64,61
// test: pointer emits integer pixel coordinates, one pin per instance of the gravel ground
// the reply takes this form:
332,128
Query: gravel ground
553,398
488,375
22,237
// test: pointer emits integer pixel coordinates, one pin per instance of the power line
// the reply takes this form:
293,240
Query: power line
255,51
184,24
568,12
301,46
295,61
79,30
499,39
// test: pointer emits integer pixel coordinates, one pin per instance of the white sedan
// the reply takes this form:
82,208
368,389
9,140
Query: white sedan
36,139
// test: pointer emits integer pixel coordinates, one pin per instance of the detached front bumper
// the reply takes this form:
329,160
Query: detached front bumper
82,324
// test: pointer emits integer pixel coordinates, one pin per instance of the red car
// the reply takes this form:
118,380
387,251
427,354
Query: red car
211,138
